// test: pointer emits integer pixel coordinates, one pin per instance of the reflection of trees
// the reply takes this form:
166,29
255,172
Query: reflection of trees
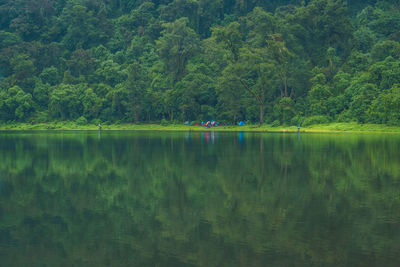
148,199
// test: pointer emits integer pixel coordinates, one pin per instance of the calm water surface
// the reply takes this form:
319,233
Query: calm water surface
199,199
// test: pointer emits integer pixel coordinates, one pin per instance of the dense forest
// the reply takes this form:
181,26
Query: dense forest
266,61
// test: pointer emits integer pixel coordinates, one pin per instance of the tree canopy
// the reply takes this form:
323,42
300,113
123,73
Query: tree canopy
286,61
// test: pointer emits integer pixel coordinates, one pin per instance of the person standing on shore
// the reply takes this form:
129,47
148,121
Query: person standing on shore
99,127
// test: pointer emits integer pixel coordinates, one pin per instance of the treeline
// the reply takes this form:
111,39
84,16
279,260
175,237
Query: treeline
280,62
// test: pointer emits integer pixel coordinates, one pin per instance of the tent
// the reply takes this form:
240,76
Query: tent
241,123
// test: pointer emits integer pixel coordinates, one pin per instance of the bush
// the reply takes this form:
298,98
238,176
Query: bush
81,121
95,121
316,120
40,117
164,122
344,117
275,123
296,120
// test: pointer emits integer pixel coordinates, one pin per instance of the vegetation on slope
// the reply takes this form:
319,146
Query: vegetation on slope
117,61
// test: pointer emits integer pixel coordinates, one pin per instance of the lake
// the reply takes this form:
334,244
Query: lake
199,199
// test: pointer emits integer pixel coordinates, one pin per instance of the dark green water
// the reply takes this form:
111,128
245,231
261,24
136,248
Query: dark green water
199,199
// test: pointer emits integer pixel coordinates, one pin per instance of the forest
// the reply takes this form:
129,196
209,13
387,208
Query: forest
280,62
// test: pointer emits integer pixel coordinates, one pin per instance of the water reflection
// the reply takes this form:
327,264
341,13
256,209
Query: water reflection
209,137
241,137
166,199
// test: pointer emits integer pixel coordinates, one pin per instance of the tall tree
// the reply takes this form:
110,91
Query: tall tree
176,45
136,83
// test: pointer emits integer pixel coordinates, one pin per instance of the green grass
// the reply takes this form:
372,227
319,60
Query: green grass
353,127
331,127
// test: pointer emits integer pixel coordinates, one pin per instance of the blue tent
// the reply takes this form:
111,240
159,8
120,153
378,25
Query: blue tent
241,123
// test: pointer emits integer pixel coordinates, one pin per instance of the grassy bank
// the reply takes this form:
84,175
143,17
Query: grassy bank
331,127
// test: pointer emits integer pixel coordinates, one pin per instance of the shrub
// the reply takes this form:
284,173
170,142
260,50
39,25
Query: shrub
164,122
275,123
96,121
316,120
296,120
40,117
81,121
344,117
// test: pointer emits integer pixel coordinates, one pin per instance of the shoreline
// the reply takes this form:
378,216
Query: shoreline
319,128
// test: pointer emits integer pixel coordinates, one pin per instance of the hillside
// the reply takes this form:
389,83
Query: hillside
282,62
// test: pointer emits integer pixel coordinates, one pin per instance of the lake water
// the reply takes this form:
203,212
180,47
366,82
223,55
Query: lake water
199,199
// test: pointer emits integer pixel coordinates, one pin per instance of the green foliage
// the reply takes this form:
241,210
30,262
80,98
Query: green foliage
385,49
50,76
164,122
91,104
8,39
386,107
385,73
362,96
65,101
81,121
275,123
231,38
297,120
84,28
176,45
41,94
137,61
15,104
315,120
285,110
